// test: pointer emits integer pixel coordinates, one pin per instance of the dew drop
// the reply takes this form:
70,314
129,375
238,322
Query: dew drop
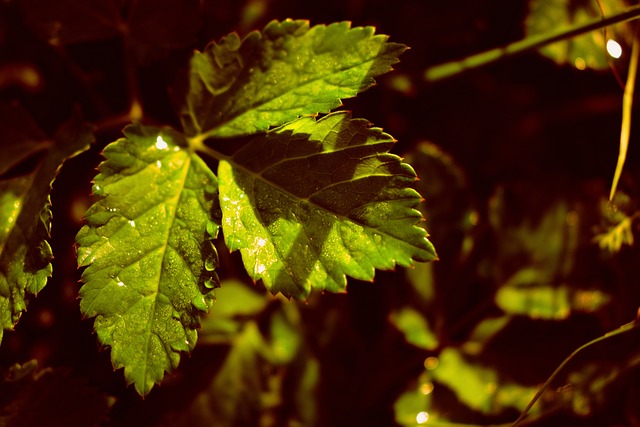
186,342
377,238
132,223
161,144
209,283
97,190
209,265
159,164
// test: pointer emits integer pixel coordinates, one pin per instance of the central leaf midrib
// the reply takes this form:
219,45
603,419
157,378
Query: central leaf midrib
176,199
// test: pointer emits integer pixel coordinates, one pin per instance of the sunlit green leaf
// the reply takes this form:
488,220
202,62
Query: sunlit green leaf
313,201
239,87
587,51
415,328
148,251
25,216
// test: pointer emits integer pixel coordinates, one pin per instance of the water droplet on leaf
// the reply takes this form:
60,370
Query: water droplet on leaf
199,303
209,283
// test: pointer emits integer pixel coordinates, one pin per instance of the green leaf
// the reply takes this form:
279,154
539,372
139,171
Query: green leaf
547,302
313,201
586,51
148,251
25,216
415,328
239,87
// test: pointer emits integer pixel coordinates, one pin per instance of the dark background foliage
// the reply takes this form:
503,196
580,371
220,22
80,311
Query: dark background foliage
525,139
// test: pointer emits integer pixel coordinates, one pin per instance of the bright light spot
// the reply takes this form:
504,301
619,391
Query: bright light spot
580,63
16,204
430,363
161,144
614,48
260,242
120,283
260,268
422,417
133,223
159,164
426,388
186,342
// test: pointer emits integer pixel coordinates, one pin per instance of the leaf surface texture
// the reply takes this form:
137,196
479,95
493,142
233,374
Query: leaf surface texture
313,201
240,87
148,251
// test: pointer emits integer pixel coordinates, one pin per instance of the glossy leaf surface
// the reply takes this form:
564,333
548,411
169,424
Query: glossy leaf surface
313,201
148,251
240,87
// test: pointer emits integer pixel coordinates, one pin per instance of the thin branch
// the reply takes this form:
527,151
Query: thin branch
449,69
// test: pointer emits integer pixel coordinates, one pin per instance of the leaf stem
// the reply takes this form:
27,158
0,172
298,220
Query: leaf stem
196,143
622,329
449,69
627,104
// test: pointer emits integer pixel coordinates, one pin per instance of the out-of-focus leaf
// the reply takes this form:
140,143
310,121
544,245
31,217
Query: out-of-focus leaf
258,380
547,302
148,251
587,51
522,227
478,387
20,137
240,87
151,27
235,304
617,236
313,201
448,211
32,398
410,404
25,216
415,328
484,333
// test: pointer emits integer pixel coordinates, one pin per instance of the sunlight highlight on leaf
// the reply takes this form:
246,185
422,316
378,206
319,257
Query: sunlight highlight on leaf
148,251
239,87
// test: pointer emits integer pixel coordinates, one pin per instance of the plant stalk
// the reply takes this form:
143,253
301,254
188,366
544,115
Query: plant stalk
449,69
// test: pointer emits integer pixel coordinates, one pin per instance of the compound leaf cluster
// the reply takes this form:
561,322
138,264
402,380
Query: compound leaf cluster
306,201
